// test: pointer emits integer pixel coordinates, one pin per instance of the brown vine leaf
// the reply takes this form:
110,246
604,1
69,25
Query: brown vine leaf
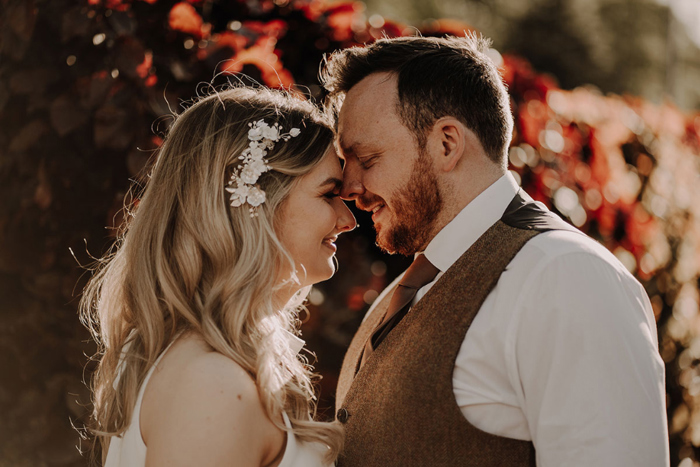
4,95
42,193
31,81
112,128
131,54
17,27
29,135
123,22
95,93
74,24
66,115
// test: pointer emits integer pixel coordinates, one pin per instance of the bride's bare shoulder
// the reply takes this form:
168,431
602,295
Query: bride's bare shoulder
201,403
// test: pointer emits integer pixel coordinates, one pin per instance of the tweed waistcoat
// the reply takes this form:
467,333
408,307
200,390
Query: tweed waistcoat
399,409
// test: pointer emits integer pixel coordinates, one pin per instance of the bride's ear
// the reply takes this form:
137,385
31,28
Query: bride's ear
447,142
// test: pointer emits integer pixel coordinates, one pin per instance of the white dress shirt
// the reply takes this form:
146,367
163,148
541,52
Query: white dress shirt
563,351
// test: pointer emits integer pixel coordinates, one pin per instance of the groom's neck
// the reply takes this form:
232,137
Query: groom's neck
458,192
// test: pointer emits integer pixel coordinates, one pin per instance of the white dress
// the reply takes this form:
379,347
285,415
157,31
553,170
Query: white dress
129,450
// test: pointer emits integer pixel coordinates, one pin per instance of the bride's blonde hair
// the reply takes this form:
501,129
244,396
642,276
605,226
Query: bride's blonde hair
186,260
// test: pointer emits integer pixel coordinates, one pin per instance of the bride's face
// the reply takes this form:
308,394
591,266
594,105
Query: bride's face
312,217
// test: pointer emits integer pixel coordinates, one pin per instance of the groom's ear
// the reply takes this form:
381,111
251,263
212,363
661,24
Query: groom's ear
448,141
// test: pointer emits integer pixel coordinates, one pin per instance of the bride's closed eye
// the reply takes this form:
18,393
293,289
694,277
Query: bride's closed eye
330,188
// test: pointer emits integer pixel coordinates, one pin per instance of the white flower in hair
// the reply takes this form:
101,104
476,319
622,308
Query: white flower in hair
255,133
258,168
256,152
248,175
238,195
242,183
256,197
271,133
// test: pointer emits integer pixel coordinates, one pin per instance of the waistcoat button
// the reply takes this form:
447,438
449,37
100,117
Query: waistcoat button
343,415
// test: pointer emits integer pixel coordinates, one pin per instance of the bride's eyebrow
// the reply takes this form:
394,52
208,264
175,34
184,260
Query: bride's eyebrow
336,182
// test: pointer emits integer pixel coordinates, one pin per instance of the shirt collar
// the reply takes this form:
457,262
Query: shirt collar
471,223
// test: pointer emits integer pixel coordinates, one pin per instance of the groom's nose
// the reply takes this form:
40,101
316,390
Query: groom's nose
352,181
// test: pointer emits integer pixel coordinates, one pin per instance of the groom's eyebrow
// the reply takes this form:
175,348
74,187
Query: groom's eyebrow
350,149
357,150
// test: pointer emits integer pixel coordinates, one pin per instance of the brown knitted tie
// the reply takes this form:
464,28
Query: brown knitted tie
418,274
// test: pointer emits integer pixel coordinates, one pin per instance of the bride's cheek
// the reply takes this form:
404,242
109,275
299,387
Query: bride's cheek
333,217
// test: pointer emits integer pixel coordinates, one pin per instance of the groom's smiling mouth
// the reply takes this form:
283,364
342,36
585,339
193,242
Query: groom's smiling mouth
372,205
375,212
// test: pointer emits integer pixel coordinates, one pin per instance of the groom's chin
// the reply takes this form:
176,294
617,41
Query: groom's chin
385,243
381,241
401,240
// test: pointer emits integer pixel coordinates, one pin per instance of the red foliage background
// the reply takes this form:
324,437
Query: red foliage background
84,86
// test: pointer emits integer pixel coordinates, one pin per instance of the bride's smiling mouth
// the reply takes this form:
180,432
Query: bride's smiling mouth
330,243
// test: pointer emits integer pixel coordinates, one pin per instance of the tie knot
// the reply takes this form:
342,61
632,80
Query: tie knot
419,273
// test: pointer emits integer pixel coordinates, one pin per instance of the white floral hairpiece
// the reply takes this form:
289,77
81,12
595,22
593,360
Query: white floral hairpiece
242,184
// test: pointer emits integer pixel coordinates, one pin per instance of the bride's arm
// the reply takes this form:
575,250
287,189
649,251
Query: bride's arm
209,416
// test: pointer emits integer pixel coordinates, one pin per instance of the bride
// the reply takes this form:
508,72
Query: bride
195,310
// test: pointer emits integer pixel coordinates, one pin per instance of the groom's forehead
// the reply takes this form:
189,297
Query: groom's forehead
357,124
349,147
374,92
345,141
346,147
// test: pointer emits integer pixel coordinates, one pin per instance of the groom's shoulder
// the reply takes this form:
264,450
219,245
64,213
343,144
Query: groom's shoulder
555,243
570,263
566,246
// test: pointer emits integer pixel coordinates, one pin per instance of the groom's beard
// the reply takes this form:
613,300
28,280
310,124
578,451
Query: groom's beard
415,209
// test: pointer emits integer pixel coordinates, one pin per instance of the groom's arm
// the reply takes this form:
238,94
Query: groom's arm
591,381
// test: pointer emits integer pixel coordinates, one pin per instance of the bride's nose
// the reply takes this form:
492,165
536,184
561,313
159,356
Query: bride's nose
345,221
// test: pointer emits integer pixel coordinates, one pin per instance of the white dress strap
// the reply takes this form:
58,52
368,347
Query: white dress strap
129,450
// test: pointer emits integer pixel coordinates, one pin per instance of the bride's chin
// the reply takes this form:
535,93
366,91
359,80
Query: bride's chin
331,270
330,274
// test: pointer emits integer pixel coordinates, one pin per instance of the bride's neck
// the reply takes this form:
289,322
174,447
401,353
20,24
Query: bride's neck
283,296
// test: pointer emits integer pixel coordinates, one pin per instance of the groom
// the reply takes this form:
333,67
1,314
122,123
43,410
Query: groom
513,339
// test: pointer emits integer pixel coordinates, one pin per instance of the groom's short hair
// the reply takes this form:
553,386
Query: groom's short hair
437,77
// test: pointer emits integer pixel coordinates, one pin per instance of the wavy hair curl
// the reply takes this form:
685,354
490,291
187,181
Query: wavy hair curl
187,261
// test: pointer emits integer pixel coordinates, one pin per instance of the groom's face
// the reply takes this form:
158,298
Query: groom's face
385,170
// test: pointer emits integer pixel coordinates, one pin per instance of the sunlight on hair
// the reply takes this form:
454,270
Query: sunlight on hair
189,261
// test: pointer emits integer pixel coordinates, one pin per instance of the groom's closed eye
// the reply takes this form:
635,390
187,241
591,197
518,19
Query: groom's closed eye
357,149
367,162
